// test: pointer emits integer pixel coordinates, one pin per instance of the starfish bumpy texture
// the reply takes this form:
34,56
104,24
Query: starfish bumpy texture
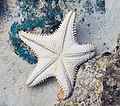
58,54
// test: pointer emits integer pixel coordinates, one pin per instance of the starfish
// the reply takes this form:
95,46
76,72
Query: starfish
58,55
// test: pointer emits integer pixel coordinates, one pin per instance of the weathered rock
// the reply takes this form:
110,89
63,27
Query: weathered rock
111,80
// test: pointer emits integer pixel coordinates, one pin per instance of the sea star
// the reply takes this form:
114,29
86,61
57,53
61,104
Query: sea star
58,54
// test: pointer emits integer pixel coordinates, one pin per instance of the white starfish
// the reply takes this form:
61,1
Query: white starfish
58,54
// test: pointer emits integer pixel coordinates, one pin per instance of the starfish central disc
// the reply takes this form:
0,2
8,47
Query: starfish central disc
61,56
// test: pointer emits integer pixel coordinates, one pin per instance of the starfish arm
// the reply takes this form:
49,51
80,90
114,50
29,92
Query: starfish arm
41,45
63,80
42,71
64,34
79,50
75,60
71,69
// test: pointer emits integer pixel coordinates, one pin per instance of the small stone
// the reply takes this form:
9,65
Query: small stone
99,37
